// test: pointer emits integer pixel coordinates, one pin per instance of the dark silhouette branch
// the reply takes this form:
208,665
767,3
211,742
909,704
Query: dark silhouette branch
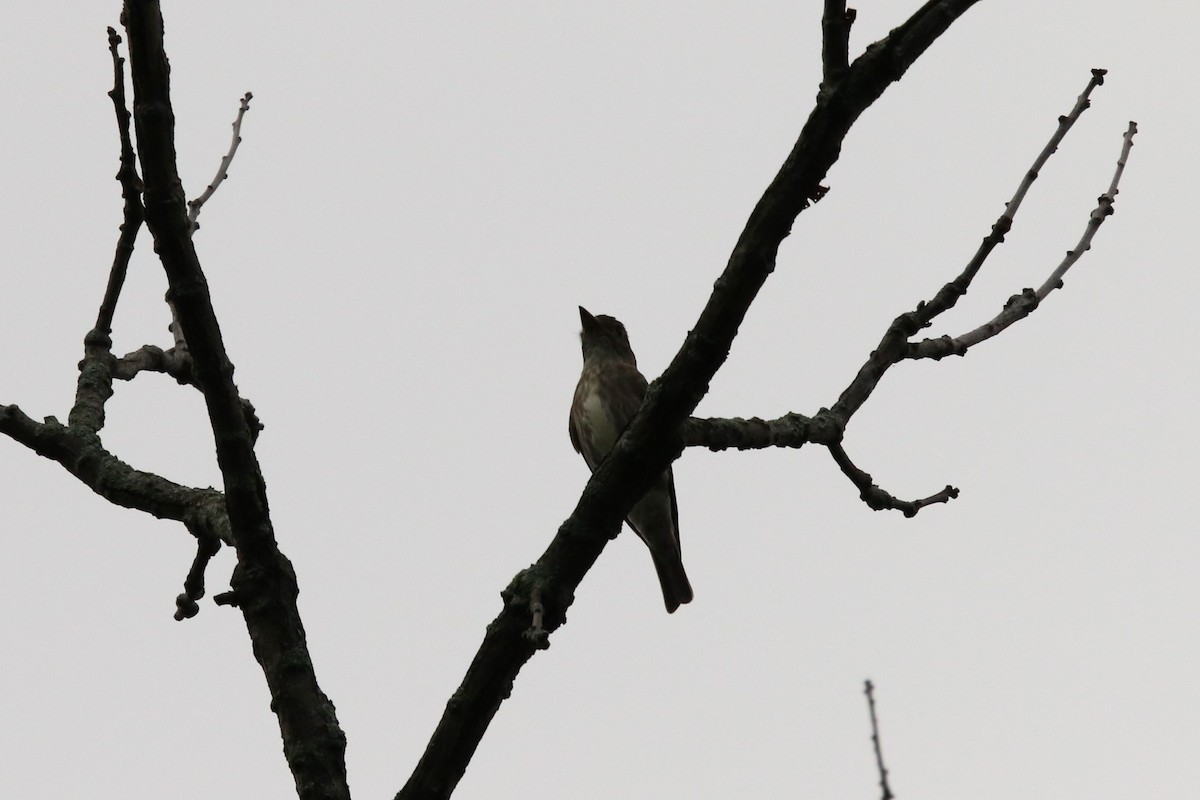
654,437
263,580
877,498
835,41
207,546
94,386
131,192
77,446
883,773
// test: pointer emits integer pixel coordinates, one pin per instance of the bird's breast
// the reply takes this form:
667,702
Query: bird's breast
595,423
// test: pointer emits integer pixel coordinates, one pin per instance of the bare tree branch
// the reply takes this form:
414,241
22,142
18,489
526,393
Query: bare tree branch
877,498
207,546
790,430
883,773
194,206
835,41
131,191
1022,305
263,581
94,386
264,585
80,452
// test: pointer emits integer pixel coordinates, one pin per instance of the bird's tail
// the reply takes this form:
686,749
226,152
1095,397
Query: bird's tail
674,581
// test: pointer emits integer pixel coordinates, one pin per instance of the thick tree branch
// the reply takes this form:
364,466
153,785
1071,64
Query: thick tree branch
80,452
654,437
264,582
94,386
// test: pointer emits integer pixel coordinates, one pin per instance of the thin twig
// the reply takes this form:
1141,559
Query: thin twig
194,206
94,385
883,781
131,192
1022,305
895,345
835,41
877,498
949,294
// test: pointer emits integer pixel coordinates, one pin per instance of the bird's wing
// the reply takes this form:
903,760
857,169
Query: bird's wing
628,389
571,430
674,508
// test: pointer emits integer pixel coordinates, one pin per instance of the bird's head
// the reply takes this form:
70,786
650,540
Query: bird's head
603,335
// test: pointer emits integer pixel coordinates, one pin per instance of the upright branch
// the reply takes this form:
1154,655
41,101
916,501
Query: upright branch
883,773
949,294
264,584
94,385
1027,301
194,206
131,191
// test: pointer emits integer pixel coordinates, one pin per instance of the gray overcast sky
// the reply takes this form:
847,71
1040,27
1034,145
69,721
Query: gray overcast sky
424,194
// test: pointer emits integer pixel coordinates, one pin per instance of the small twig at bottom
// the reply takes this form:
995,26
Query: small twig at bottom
883,781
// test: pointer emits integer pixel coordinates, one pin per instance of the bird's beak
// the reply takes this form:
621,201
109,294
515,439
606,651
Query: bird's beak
586,318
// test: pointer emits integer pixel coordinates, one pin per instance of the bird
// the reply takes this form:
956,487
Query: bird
609,393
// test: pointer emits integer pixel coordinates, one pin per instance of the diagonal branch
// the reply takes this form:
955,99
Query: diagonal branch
94,386
80,452
653,438
194,206
131,191
883,773
946,298
895,346
1022,305
264,582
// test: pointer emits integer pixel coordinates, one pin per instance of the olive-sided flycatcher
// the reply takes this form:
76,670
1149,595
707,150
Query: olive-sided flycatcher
609,393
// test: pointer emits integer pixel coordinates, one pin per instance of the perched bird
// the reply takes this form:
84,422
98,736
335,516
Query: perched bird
609,393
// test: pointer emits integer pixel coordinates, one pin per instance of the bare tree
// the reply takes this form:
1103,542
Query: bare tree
264,586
